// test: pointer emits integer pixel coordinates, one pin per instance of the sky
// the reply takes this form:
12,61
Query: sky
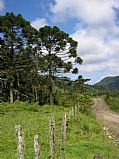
94,24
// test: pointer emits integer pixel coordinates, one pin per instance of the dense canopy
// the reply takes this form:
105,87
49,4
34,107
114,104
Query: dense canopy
31,59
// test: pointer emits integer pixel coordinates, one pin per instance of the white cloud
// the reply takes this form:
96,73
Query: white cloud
89,11
1,5
38,23
98,51
98,41
92,46
114,46
88,69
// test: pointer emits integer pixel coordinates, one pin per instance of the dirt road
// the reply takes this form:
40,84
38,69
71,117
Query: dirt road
109,118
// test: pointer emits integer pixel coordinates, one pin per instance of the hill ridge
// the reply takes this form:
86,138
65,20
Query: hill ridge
111,82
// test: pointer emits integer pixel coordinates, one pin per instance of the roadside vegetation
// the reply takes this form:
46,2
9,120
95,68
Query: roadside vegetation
113,103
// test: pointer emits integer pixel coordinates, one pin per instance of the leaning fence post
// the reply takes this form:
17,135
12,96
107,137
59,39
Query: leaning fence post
36,147
64,128
52,137
20,148
63,134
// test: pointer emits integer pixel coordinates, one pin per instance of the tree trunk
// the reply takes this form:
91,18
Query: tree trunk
50,79
50,88
18,94
51,98
12,64
36,96
11,92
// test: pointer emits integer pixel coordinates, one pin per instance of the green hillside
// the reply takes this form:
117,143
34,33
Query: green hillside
109,82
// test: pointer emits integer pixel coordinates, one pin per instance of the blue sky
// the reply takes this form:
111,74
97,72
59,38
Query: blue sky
94,24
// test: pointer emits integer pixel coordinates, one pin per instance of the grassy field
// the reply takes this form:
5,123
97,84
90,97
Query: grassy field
85,136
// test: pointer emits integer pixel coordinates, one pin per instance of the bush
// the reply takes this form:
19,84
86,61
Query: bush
113,103
85,104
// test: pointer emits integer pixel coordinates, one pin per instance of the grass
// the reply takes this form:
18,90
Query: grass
85,136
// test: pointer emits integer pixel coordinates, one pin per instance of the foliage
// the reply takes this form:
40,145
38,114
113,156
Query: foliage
113,102
30,60
85,104
94,90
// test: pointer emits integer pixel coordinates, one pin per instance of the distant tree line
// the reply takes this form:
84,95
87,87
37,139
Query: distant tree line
32,62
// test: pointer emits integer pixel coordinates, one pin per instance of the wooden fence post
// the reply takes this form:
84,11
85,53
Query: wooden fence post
63,134
52,137
36,147
20,148
64,128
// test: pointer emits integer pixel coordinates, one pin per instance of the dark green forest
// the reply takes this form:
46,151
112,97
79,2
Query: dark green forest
32,62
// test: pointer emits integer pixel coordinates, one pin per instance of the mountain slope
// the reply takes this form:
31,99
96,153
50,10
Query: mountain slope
109,82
